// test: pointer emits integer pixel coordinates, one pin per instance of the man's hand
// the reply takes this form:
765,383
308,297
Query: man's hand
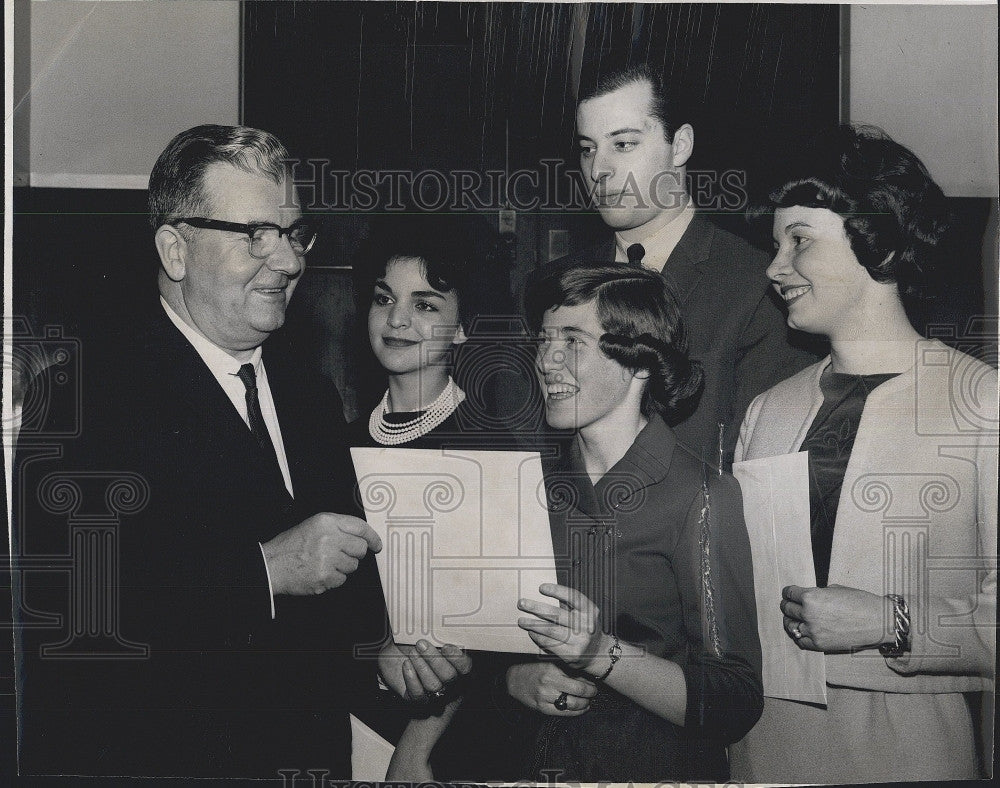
318,554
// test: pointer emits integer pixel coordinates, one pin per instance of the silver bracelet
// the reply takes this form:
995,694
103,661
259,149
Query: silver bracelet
615,653
901,628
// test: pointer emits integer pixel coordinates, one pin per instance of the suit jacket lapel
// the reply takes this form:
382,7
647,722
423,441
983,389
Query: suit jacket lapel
191,392
606,251
683,268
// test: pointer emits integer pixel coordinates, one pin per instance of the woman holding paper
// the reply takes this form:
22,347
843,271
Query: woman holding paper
418,271
901,436
653,660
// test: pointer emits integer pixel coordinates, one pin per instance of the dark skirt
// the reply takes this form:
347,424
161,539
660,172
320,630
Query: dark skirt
619,741
494,738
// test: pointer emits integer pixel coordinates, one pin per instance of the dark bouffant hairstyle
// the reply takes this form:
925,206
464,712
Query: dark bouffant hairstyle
894,214
176,185
663,106
443,242
643,324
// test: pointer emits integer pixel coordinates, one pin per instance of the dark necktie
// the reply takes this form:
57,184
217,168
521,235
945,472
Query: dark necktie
257,426
635,254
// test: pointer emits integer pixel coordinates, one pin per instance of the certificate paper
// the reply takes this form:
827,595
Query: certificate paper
776,509
465,534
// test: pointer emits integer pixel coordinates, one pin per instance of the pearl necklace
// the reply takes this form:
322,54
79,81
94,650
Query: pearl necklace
390,434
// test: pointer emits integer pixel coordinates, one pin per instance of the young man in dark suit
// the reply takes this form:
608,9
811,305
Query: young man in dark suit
219,619
634,149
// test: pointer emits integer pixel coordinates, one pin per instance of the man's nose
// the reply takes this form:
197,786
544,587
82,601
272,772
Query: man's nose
285,260
601,167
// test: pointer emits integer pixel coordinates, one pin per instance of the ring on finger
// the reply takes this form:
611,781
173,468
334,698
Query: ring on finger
437,694
561,702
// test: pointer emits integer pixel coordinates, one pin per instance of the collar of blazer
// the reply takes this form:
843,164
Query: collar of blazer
684,266
683,269
645,463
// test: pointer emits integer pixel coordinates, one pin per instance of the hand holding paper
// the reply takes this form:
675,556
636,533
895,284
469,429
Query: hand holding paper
776,509
570,631
417,673
466,535
834,618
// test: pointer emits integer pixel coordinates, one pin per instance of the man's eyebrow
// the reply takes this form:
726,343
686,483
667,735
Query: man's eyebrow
269,223
610,134
381,283
626,130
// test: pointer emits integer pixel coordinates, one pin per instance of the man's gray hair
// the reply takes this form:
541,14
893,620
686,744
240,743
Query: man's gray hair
176,185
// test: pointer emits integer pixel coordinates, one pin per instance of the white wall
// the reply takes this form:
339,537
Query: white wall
111,82
928,76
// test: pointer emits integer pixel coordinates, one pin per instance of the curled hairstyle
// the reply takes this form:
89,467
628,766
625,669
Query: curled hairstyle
894,215
176,185
643,326
443,242
663,105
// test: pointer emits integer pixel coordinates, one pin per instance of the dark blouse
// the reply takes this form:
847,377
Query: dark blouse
829,442
670,571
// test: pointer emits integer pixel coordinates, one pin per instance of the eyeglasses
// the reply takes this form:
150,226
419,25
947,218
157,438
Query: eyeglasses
264,236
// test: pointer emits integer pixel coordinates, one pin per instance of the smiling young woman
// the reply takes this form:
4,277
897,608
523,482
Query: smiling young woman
652,661
418,272
651,625
886,419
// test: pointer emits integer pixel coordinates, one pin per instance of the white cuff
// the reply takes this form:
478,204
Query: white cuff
270,588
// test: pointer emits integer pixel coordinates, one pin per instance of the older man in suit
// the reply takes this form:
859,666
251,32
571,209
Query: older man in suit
633,153
239,616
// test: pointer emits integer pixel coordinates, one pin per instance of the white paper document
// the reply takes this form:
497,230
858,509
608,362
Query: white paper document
465,535
776,509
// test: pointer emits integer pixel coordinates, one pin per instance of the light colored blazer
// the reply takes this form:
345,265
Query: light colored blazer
917,513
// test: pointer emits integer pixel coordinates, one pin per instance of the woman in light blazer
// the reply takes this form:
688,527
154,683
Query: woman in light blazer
902,441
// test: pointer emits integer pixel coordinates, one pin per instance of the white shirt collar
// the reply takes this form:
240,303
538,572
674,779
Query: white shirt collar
217,359
659,240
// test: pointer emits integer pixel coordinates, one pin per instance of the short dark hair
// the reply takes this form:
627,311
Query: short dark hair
663,105
643,326
443,242
894,214
176,185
